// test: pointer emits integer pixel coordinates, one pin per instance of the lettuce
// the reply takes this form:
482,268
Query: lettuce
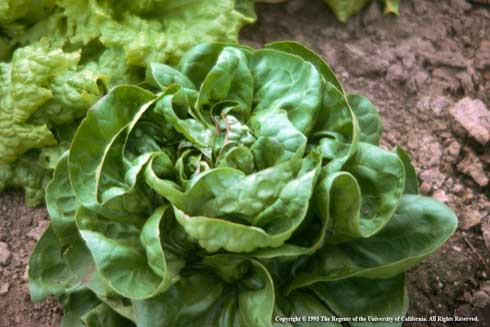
343,9
240,188
72,51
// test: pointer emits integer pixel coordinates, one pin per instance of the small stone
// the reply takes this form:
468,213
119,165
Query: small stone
452,151
396,73
474,117
434,177
458,189
440,104
473,167
457,248
425,188
345,75
431,152
470,218
5,254
25,276
441,196
480,299
421,77
4,288
449,183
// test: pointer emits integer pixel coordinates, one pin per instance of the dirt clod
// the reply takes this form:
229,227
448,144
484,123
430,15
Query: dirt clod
480,299
470,218
474,117
5,254
486,236
441,195
473,167
4,288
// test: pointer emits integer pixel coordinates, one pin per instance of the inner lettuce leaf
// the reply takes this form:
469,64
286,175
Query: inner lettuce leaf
58,57
236,188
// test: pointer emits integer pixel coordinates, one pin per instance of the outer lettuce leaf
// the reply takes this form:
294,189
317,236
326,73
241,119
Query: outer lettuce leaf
411,181
103,315
73,92
27,10
239,293
349,297
419,221
5,48
130,258
85,167
28,173
39,89
76,303
392,6
22,92
305,304
308,55
48,271
179,25
343,9
368,117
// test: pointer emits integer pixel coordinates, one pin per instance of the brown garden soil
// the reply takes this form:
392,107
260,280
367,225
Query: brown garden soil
415,68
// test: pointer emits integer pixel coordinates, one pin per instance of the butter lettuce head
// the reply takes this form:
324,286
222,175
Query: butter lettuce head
239,186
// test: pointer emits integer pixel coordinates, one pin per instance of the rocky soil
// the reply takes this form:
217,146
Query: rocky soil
428,71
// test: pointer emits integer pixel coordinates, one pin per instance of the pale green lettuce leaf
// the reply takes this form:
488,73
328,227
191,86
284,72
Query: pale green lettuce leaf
343,9
73,93
107,43
29,10
22,92
176,28
27,173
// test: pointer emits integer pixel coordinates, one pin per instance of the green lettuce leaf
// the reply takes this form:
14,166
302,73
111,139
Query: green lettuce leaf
343,9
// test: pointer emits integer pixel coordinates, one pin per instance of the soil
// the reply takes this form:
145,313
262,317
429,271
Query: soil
416,68
20,228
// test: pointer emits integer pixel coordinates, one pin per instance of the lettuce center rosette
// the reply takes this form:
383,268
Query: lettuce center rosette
241,187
